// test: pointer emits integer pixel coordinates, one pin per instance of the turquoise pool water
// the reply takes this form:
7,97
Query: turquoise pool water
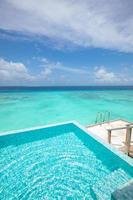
60,162
28,108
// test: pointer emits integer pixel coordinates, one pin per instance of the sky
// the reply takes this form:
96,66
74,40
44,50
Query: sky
66,42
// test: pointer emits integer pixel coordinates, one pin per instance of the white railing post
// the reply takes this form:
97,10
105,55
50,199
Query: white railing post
128,138
109,136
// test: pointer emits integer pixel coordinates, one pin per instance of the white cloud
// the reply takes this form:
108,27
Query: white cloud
54,73
17,71
88,23
46,73
61,67
14,72
103,75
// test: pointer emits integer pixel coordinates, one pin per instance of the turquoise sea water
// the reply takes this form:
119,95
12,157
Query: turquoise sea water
33,108
60,162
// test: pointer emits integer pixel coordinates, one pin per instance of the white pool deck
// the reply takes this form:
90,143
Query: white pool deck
118,137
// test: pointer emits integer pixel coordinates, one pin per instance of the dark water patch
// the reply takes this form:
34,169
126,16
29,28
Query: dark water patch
62,88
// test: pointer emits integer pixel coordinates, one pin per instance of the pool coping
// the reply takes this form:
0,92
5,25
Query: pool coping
124,157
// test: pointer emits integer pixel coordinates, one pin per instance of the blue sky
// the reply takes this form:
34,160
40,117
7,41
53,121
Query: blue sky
66,42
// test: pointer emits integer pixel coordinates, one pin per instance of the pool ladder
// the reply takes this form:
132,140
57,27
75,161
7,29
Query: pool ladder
103,117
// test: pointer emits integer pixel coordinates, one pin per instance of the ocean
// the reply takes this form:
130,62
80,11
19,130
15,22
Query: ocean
24,107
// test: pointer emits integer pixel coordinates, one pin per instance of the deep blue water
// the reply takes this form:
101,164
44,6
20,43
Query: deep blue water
62,88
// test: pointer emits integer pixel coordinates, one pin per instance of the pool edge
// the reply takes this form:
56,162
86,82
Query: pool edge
124,157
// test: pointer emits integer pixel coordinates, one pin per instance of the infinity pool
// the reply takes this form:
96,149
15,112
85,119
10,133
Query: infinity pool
59,162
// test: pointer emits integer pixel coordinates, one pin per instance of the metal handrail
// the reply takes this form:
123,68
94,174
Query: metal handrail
103,117
97,117
108,115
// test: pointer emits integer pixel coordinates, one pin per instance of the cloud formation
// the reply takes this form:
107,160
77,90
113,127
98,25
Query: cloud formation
103,75
14,72
56,73
47,64
87,23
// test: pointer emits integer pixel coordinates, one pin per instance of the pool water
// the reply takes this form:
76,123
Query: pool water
59,162
29,108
